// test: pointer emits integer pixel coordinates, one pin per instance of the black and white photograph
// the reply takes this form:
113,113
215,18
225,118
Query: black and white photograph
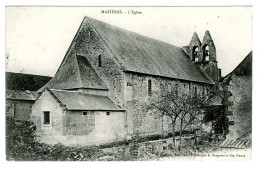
128,83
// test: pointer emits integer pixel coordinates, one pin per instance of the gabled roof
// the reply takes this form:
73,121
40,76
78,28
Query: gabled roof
138,53
133,52
244,68
74,100
76,72
21,81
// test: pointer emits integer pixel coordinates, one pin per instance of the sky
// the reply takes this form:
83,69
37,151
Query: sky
37,38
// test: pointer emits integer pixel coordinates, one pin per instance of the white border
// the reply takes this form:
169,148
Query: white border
174,164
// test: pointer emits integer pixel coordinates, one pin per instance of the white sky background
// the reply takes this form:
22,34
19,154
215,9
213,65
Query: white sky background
37,38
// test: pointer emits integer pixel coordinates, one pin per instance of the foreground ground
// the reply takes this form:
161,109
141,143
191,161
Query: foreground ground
22,145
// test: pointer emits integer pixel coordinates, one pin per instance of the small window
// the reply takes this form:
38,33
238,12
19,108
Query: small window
108,113
149,87
46,117
99,61
84,113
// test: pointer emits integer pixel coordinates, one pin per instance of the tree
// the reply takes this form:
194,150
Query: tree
187,109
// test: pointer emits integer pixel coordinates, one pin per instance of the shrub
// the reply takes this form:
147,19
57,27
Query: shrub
21,145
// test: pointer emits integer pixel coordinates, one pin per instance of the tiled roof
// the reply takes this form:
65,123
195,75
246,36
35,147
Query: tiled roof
74,100
76,72
137,53
21,95
244,68
21,81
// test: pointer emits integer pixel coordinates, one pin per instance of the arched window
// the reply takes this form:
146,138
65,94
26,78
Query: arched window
99,61
149,87
195,52
206,53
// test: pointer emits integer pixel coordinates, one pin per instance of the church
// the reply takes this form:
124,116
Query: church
107,74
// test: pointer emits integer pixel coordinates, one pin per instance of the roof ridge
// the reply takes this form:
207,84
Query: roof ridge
123,29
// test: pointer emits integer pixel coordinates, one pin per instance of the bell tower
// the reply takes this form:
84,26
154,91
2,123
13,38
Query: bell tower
194,48
204,55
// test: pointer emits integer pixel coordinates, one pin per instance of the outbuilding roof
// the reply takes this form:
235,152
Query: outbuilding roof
74,100
22,81
21,95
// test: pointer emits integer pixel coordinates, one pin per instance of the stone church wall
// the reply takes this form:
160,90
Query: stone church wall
137,95
90,45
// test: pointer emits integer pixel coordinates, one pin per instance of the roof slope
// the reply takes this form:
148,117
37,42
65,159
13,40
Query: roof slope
78,101
141,54
76,72
244,68
21,81
21,95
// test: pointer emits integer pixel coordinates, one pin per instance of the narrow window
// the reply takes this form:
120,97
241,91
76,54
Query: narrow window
195,54
189,88
108,113
195,91
149,87
46,117
206,53
99,61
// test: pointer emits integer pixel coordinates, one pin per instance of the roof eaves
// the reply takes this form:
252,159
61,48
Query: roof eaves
212,83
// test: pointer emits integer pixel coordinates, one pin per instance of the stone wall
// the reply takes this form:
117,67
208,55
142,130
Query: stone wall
109,126
91,46
241,88
138,120
46,102
22,109
79,123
